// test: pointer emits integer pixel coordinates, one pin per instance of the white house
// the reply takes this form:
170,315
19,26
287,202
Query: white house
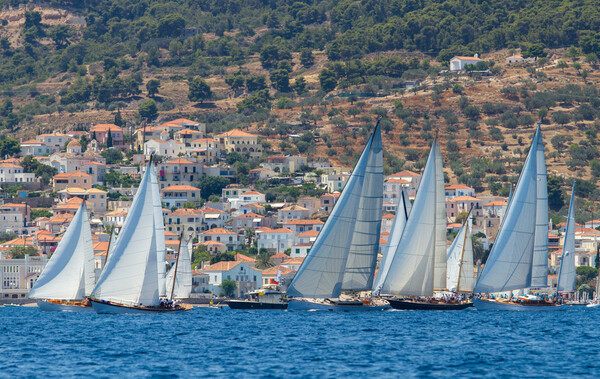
35,148
170,148
303,243
459,63
292,212
222,235
246,277
12,173
495,209
518,58
300,226
276,240
457,190
251,197
412,178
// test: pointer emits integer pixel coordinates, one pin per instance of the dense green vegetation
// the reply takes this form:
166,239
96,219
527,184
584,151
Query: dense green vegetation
116,30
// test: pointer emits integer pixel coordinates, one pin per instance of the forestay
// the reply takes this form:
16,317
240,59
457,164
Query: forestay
402,212
509,264
459,276
411,271
344,254
131,274
183,279
69,275
567,273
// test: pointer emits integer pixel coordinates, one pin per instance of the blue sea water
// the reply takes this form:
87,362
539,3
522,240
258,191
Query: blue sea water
225,343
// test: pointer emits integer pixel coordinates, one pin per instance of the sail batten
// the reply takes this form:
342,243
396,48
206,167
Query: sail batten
69,275
567,273
510,263
412,270
344,254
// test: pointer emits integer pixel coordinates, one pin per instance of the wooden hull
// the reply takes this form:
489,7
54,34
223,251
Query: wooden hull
48,306
241,304
421,306
114,308
491,305
318,305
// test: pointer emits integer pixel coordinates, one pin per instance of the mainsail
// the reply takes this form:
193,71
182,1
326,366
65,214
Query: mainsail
183,279
509,265
402,212
413,270
539,269
459,275
69,275
344,254
131,274
159,227
567,273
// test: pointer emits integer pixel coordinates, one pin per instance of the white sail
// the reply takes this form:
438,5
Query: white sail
69,275
509,264
159,227
459,275
439,267
539,269
131,274
412,269
345,250
183,279
402,212
567,273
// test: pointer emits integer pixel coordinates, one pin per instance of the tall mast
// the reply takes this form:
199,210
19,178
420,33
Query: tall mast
176,264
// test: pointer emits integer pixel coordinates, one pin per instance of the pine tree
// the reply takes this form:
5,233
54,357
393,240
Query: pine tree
109,141
119,119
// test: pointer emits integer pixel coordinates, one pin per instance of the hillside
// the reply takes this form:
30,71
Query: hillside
323,71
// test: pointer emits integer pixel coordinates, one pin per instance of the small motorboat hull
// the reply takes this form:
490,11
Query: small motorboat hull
241,304
48,306
324,305
492,305
104,307
593,305
422,306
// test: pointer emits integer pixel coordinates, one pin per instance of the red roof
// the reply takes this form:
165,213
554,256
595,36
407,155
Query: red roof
222,266
304,222
218,231
180,187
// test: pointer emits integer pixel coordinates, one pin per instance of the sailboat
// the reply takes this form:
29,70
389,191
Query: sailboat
69,276
566,272
402,212
519,257
417,268
459,274
344,255
179,278
133,280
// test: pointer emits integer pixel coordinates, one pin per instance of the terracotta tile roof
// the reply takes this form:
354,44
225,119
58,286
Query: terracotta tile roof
250,215
395,180
217,231
304,222
244,258
19,241
404,173
9,165
13,205
310,233
280,230
32,142
180,161
206,209
467,58
116,213
293,261
180,187
181,121
496,204
222,266
185,212
388,216
458,186
205,140
464,198
273,270
252,193
294,208
236,133
76,174
105,127
206,243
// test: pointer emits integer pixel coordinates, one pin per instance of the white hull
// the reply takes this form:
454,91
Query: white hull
485,305
52,307
593,305
316,305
